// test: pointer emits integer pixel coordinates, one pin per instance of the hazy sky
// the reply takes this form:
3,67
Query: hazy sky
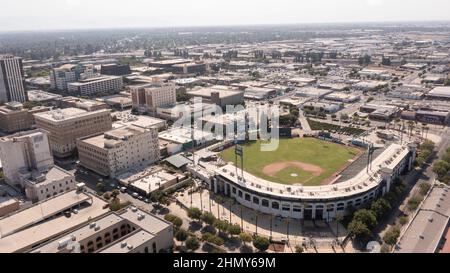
70,14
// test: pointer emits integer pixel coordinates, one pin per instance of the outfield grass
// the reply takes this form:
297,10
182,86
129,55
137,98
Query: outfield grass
329,156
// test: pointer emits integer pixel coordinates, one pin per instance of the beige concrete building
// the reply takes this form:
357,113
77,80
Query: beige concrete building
148,97
43,185
66,125
119,150
14,117
91,227
28,164
23,152
8,205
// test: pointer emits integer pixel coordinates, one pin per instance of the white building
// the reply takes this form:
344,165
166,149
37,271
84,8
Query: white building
28,164
119,150
94,86
60,77
24,151
11,79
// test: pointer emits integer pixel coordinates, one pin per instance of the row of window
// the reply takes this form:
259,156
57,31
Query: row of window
297,208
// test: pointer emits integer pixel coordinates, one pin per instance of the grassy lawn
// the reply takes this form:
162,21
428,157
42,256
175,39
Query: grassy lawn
329,156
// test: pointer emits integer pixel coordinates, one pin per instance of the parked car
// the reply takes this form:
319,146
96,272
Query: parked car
135,195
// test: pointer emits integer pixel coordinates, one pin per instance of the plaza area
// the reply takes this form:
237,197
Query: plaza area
317,236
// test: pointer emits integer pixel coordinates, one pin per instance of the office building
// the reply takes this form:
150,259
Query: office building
119,150
115,69
24,151
79,222
12,83
14,117
66,125
219,95
95,86
69,73
148,97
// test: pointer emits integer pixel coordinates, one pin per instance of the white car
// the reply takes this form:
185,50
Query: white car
135,195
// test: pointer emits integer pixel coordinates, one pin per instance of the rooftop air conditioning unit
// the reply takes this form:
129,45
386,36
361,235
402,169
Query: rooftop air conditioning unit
123,244
92,225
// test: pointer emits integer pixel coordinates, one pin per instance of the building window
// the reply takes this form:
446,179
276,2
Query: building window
255,200
240,193
286,207
233,190
265,203
275,205
247,197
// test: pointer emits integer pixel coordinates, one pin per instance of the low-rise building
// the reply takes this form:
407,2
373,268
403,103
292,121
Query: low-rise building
219,95
342,97
79,222
14,117
95,86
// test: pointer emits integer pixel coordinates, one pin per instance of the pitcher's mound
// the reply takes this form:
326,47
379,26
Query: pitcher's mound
273,169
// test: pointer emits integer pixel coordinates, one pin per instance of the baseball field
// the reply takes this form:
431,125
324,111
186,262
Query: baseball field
305,161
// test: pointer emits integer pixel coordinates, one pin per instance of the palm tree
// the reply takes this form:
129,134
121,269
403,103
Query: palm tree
288,220
218,200
201,201
242,219
426,128
256,221
410,127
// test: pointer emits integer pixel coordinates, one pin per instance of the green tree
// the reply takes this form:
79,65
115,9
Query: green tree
380,207
208,218
391,236
115,193
358,229
368,217
221,225
424,187
441,168
234,229
194,213
245,237
413,202
403,220
181,235
192,243
261,243
175,220
100,187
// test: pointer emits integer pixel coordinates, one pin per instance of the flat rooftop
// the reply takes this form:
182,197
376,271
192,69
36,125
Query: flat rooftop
429,225
224,91
23,240
111,138
67,114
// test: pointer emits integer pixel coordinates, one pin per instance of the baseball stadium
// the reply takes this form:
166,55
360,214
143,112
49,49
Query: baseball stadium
305,178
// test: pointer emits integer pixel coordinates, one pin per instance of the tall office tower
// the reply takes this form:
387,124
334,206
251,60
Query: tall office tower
11,79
